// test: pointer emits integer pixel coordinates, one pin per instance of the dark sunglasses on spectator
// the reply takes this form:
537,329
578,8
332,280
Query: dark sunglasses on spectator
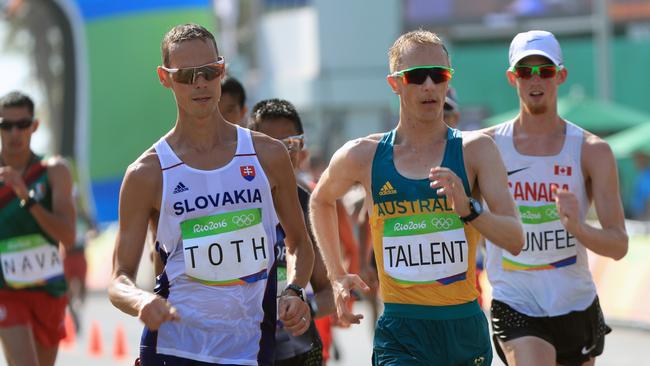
21,124
189,75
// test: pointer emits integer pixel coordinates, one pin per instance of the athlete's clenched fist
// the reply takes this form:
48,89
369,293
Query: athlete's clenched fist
11,177
294,314
448,184
568,209
155,311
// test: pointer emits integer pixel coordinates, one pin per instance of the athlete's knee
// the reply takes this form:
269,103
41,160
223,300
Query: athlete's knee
529,350
46,355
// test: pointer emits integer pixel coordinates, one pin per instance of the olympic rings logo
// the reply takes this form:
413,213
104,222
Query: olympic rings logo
531,215
243,220
442,223
551,212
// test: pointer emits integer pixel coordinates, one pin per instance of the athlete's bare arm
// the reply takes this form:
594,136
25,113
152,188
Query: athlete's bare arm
60,223
140,197
277,165
322,287
501,225
601,178
323,294
350,165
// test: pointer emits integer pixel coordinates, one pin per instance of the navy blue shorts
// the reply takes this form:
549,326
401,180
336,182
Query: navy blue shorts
149,357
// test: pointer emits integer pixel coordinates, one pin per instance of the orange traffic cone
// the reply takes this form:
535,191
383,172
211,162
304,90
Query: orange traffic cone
120,351
95,345
70,332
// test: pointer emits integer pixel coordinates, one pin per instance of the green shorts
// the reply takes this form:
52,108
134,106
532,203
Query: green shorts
432,335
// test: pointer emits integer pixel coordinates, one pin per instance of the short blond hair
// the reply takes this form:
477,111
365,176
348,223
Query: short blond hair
420,37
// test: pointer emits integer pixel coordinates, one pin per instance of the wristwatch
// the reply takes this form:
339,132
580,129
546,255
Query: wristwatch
475,209
30,201
300,292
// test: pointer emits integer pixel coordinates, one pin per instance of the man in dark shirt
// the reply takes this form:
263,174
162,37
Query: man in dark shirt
279,119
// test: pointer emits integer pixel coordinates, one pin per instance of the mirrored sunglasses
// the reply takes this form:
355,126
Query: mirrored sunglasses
189,75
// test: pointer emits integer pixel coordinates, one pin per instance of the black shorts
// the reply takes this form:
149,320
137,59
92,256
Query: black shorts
313,357
576,336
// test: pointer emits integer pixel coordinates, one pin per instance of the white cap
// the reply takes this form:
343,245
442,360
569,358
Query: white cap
535,42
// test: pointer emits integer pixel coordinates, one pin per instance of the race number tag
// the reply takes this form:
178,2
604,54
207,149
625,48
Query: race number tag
29,261
226,249
548,245
425,249
281,261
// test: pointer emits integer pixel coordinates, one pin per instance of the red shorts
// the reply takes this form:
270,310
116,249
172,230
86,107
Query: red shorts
324,326
75,265
41,311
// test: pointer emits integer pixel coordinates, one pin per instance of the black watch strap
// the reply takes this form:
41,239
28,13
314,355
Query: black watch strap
300,292
26,204
475,209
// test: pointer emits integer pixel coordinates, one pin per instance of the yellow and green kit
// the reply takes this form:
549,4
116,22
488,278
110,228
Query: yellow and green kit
426,261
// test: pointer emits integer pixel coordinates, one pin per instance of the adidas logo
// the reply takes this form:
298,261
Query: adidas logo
387,189
180,187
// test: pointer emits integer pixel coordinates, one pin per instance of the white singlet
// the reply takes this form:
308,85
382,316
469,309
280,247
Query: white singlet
550,276
218,228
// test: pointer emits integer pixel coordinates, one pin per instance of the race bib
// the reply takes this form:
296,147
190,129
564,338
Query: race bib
226,249
281,261
548,245
29,261
425,249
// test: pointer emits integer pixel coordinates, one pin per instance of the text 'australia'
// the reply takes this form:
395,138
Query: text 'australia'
431,205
